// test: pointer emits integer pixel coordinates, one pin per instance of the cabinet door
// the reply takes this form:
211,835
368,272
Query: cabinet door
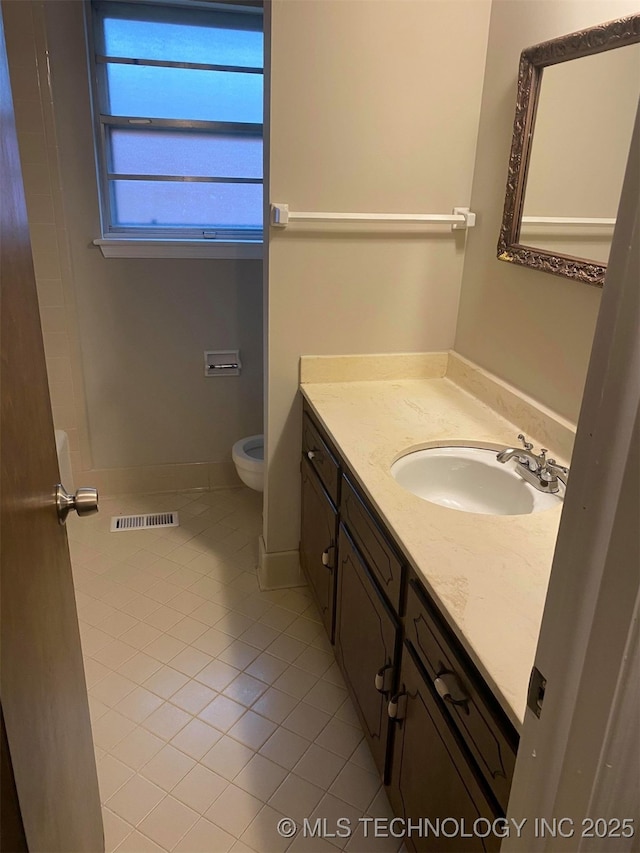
318,544
366,638
481,723
431,777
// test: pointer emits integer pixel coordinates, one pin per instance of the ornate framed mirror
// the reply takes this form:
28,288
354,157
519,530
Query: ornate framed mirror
576,103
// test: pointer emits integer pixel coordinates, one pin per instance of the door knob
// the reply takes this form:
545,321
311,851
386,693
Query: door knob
85,502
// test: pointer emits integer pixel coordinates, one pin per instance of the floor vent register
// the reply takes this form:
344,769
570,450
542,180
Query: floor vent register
144,522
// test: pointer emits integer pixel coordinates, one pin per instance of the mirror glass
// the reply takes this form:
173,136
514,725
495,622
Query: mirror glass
575,108
579,152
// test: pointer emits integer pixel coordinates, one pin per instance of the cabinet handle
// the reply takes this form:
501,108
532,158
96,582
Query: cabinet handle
326,561
381,678
311,454
448,688
393,707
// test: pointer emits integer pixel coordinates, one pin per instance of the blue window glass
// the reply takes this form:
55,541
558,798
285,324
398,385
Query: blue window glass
170,152
167,204
182,42
184,93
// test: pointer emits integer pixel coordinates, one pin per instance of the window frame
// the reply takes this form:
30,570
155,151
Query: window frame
190,241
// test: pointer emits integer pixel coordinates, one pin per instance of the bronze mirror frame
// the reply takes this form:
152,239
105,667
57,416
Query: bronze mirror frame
533,60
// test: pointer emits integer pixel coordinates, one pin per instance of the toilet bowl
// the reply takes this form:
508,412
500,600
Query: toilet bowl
248,457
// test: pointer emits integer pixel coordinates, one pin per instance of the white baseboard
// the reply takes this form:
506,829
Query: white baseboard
279,569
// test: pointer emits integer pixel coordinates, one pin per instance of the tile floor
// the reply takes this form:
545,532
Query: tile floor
217,709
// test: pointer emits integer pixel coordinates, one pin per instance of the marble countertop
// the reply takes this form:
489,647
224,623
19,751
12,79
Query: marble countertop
488,574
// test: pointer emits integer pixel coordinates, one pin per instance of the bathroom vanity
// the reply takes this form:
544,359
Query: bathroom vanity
422,645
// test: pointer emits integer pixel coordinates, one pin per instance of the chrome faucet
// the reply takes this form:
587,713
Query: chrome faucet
541,472
523,454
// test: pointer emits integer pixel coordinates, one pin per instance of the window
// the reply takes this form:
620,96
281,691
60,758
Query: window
177,93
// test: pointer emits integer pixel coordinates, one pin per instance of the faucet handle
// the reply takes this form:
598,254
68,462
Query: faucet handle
526,444
557,471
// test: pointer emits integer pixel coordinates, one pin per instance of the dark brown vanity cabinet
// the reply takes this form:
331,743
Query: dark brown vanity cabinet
367,633
431,776
441,742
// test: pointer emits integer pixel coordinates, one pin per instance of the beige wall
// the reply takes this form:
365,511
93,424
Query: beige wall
530,328
374,108
124,338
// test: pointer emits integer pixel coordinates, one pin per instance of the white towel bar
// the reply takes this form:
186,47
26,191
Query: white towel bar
567,220
460,219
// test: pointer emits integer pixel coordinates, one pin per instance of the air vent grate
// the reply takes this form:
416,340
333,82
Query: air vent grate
144,522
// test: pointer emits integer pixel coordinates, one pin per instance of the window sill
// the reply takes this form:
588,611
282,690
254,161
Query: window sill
125,247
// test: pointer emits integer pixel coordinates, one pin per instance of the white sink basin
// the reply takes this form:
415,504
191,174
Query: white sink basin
469,479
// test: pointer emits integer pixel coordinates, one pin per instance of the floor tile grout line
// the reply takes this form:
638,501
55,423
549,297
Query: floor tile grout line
271,606
140,724
227,734
168,662
268,684
230,609
204,683
109,588
167,701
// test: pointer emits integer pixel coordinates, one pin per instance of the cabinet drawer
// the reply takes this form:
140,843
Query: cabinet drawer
315,449
373,544
482,724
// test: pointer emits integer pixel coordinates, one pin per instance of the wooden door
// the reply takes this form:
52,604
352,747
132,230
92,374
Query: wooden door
318,556
366,637
42,689
431,777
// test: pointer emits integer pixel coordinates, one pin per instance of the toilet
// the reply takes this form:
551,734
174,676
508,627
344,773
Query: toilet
248,457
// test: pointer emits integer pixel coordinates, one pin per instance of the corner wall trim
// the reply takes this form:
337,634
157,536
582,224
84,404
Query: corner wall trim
279,569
